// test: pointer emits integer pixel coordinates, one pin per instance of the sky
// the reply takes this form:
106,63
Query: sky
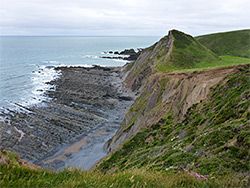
121,17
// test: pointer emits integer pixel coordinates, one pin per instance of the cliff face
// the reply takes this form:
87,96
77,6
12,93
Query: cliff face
161,93
164,95
137,72
212,136
198,120
176,51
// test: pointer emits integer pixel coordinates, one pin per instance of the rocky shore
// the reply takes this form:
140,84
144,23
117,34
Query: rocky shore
127,54
84,108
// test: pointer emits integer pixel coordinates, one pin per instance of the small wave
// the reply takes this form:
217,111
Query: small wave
120,60
90,56
15,77
86,56
51,62
68,66
39,79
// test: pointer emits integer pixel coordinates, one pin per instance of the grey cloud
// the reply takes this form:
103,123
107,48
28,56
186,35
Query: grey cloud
127,17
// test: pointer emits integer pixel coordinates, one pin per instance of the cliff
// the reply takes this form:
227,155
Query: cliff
176,51
184,117
166,94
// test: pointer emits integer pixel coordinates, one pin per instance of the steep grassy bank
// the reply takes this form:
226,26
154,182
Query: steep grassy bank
182,56
235,43
197,120
185,53
179,52
19,176
176,51
213,137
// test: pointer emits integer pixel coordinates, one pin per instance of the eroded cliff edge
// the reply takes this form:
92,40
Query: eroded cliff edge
165,94
185,117
161,92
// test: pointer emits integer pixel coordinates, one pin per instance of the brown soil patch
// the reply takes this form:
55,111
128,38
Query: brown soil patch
99,133
75,148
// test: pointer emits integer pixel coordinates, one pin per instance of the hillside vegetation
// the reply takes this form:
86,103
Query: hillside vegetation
214,136
197,120
185,53
178,52
190,54
235,43
15,175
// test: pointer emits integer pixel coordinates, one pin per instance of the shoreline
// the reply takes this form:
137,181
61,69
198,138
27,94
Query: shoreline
84,101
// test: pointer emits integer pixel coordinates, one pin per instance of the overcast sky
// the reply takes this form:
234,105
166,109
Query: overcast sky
121,17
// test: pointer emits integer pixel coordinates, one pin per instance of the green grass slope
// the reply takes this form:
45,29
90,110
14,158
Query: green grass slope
19,176
214,137
203,52
178,52
235,43
186,53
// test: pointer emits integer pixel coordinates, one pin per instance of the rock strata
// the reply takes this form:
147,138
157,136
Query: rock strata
84,99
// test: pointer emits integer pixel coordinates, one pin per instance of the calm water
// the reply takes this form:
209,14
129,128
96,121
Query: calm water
23,61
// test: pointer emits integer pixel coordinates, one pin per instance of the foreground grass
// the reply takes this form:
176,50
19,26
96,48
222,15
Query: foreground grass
15,176
224,62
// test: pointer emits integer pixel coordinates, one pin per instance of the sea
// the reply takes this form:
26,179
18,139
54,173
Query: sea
26,63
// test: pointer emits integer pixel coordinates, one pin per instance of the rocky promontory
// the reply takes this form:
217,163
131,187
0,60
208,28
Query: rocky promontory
127,54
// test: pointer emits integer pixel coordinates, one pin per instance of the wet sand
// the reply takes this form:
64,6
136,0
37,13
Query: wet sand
84,108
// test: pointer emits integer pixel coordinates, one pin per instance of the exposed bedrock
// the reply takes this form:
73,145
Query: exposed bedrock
83,100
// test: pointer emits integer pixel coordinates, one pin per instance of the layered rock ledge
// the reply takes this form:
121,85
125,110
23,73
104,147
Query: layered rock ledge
86,107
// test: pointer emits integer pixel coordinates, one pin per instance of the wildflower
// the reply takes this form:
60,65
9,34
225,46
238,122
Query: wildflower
197,175
205,177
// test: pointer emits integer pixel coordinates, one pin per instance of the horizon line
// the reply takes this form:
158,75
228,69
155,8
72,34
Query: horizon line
80,36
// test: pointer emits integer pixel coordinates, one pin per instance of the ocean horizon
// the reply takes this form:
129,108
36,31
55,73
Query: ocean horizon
26,62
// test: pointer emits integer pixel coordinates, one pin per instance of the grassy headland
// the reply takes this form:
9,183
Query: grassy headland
186,53
207,51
